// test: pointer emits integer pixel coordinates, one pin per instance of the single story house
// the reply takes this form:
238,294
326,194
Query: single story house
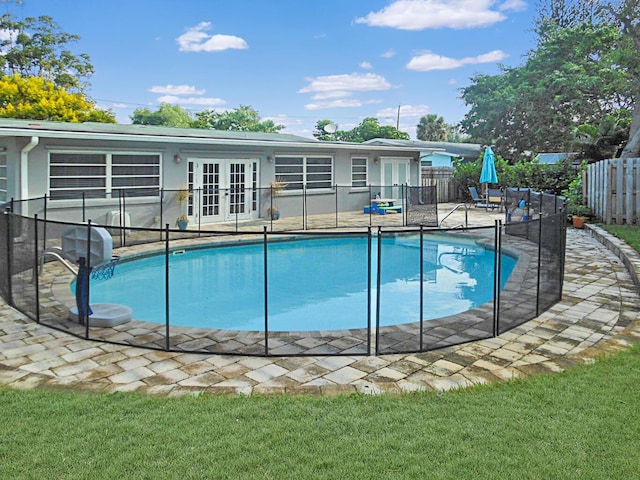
98,163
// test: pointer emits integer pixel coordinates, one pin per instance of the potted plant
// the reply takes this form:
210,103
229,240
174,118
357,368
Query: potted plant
577,211
277,186
181,197
579,214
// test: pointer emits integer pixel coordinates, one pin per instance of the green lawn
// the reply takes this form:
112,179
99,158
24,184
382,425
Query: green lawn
629,233
580,424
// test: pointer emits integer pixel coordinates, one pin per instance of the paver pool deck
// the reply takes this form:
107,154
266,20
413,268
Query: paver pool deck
599,313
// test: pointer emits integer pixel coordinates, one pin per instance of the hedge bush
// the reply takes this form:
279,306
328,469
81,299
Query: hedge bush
549,178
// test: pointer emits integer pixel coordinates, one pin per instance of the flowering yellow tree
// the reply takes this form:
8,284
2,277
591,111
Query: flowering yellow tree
35,98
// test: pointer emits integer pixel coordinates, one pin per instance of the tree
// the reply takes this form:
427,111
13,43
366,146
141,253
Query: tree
244,119
432,128
627,13
559,14
35,98
167,115
574,78
37,47
321,133
368,129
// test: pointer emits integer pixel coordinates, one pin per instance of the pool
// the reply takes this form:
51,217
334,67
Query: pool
313,283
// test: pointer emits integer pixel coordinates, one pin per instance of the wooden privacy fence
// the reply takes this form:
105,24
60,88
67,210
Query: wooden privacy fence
611,190
442,179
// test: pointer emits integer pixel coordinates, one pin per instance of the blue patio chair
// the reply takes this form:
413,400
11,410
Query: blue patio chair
480,202
477,199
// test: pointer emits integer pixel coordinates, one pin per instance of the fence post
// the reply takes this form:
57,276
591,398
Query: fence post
123,208
266,293
369,272
36,277
378,283
200,194
87,302
44,226
167,289
305,223
404,203
161,211
539,265
9,240
271,207
421,287
369,201
336,190
497,274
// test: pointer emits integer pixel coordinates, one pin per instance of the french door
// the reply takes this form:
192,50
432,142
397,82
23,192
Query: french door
395,173
223,190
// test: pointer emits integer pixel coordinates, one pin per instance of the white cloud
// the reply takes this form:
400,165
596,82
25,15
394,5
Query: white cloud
329,95
425,14
453,81
196,40
406,111
493,56
341,103
355,82
429,61
389,54
8,36
206,101
284,119
176,90
432,61
513,5
366,65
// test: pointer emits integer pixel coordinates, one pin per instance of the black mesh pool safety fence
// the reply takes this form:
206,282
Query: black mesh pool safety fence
230,210
38,278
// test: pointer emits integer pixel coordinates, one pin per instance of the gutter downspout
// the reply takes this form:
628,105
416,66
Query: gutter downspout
24,167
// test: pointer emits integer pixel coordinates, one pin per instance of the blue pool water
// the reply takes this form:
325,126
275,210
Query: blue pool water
314,284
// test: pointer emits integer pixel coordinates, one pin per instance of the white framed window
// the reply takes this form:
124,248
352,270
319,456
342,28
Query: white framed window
310,172
103,175
359,171
3,178
73,173
137,174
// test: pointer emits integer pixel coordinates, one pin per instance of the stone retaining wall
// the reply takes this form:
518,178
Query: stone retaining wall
627,255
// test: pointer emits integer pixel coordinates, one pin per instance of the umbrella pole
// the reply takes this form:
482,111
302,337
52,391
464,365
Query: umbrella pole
486,197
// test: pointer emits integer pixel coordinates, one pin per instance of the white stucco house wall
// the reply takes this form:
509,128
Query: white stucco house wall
95,164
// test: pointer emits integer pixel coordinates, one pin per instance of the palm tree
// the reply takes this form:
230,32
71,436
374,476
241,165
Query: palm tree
432,128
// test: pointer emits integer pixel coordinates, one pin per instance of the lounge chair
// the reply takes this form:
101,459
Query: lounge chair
495,197
477,199
479,202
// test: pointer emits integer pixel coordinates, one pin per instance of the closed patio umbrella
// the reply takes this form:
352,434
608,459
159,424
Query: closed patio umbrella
488,174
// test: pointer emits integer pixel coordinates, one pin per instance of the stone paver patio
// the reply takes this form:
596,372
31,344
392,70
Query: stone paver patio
599,312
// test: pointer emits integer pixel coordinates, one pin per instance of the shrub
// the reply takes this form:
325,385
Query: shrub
549,178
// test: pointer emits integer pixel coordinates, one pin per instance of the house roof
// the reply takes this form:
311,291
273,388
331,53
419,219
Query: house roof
425,158
553,157
110,131
469,151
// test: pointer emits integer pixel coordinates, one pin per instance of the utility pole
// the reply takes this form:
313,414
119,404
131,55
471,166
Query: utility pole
398,119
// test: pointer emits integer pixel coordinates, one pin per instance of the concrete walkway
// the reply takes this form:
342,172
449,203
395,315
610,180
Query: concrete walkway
599,313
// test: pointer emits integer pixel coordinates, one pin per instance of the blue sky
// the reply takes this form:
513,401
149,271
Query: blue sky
295,61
